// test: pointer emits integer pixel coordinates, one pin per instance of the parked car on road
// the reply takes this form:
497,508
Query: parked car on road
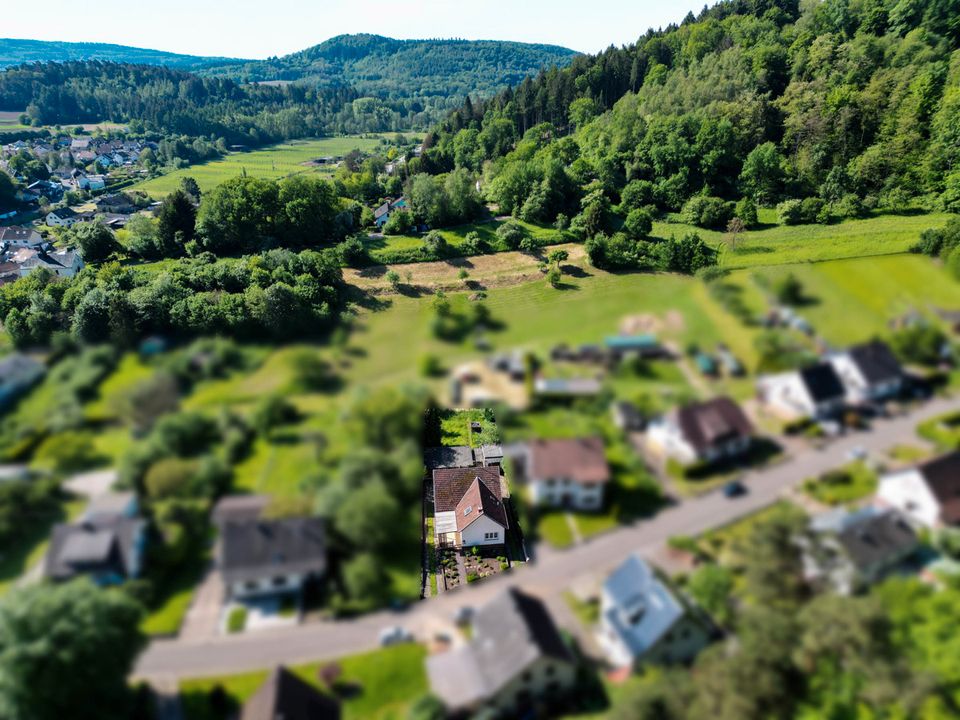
734,489
395,635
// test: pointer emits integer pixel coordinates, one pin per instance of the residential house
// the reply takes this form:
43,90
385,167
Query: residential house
570,473
17,236
815,392
62,263
852,550
468,507
80,144
382,213
869,372
269,557
644,345
62,217
108,547
286,696
239,508
18,373
644,621
515,660
928,495
703,432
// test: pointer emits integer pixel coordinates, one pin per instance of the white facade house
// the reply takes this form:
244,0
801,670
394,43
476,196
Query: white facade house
64,217
869,372
62,263
815,392
20,237
702,432
570,473
643,621
928,495
468,507
260,557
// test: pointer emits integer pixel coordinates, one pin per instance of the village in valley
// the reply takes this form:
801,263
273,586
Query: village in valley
626,390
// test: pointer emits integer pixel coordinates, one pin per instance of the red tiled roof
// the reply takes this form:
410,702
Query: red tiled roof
580,459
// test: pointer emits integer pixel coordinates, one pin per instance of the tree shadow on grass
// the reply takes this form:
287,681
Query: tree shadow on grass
575,271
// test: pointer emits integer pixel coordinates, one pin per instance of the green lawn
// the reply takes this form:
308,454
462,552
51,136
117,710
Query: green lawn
272,162
172,595
30,548
383,685
379,247
942,431
781,244
130,371
848,484
455,427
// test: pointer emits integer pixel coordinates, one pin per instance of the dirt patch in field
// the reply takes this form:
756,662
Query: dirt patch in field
651,324
483,271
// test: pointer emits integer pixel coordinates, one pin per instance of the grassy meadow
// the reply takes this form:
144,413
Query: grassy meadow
272,162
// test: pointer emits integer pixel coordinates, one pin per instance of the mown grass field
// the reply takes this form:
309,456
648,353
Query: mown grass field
384,684
774,244
273,162
854,300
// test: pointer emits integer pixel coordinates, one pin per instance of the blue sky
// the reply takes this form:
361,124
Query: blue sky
259,28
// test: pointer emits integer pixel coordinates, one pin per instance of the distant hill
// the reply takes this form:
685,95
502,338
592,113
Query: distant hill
382,66
371,64
17,52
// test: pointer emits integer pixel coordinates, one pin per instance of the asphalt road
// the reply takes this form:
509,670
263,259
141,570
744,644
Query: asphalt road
553,571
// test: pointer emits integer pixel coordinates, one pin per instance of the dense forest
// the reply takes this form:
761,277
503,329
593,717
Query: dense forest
397,84
833,108
175,102
438,73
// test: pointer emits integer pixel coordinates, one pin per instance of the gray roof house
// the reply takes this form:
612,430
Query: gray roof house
107,548
643,620
515,660
852,550
63,263
285,696
268,557
18,373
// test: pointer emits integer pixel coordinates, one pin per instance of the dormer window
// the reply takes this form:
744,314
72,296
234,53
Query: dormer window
467,510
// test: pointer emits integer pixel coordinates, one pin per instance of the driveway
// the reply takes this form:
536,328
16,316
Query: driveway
202,620
554,570
92,484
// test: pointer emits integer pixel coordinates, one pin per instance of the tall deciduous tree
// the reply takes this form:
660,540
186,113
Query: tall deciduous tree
66,652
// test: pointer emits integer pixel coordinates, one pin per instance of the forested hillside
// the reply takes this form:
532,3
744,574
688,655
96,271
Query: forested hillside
405,82
176,102
847,105
433,70
17,52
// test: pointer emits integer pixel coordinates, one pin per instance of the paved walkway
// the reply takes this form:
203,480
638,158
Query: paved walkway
554,571
203,617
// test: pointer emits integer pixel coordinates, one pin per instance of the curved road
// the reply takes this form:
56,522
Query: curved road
553,571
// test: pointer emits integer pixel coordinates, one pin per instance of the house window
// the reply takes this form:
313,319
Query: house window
250,585
467,510
491,536
279,581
